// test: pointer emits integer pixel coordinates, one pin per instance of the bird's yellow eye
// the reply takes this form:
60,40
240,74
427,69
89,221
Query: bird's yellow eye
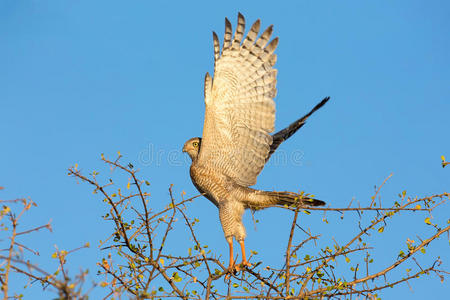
195,144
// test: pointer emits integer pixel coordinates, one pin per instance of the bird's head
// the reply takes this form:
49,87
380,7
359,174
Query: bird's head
192,147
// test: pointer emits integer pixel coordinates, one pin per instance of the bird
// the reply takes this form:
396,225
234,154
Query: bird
237,140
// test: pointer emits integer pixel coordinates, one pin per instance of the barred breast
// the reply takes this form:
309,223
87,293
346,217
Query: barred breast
208,183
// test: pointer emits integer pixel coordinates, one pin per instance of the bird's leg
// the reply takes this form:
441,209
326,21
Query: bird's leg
230,244
244,263
231,269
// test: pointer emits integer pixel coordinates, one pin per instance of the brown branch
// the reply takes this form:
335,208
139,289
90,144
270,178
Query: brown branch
168,228
383,272
47,226
374,197
300,245
391,267
256,282
330,256
118,278
199,246
388,285
288,251
169,280
262,279
116,218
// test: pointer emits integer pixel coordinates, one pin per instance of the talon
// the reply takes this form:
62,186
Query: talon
242,266
232,269
227,276
238,268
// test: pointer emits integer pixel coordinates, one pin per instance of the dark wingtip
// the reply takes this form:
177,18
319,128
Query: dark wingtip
325,100
319,105
275,41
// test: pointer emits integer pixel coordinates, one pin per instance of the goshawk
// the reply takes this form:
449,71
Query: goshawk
237,140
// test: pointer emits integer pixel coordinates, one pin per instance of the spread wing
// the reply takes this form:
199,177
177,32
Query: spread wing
240,111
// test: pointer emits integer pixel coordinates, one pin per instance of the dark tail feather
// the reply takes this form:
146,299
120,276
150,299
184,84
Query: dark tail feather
292,199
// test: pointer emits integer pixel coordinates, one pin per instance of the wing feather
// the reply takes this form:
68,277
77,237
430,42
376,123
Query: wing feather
240,111
216,47
227,36
208,87
240,28
264,38
287,132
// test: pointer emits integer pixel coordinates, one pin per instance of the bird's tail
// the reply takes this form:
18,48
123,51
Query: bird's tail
292,199
263,199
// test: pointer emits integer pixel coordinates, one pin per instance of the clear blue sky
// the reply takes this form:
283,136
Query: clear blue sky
79,78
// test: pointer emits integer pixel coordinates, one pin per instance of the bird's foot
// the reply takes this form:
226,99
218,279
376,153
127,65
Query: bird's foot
232,269
242,266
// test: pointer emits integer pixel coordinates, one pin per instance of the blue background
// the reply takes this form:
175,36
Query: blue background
80,78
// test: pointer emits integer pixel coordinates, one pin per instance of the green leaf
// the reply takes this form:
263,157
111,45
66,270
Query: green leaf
176,277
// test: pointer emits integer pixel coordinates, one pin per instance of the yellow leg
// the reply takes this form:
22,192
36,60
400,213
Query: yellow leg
230,244
244,263
231,266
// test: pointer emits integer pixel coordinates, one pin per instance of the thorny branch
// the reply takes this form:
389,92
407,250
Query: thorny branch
143,261
17,265
143,265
